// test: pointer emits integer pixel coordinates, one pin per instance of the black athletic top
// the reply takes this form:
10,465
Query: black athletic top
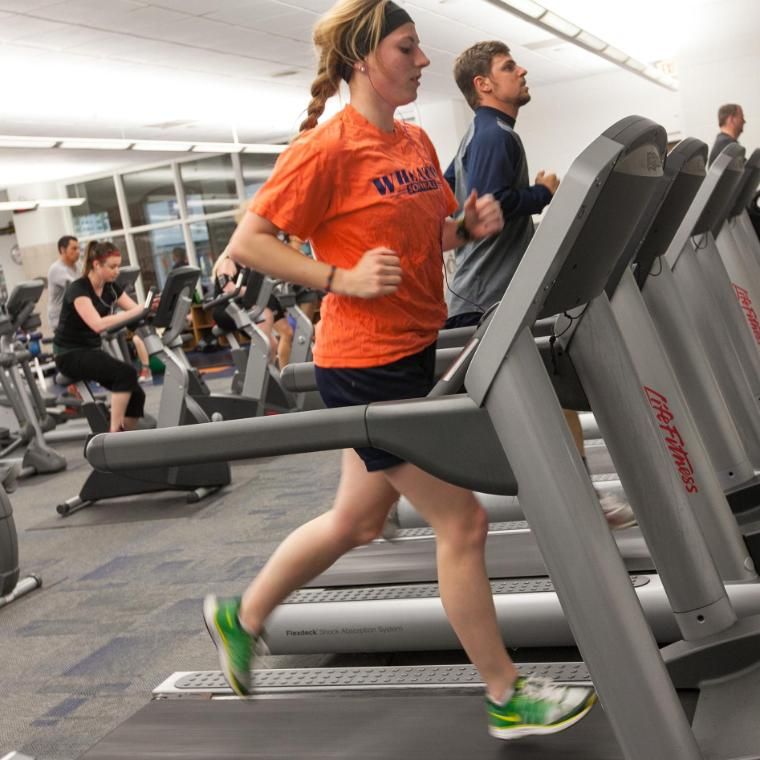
72,331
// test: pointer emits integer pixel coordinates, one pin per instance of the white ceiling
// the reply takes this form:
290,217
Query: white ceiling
203,70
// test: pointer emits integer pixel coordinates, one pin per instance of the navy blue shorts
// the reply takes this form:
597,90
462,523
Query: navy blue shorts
464,320
410,377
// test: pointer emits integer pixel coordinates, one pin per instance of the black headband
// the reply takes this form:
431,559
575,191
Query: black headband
393,17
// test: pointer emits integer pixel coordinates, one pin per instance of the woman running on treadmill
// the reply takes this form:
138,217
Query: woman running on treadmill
89,307
368,192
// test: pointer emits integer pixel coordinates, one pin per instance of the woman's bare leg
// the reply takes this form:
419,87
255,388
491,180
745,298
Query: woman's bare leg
358,514
461,525
119,402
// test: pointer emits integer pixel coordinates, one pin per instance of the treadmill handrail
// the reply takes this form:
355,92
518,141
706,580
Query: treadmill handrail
434,433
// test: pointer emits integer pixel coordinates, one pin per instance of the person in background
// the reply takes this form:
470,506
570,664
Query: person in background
491,158
62,271
179,257
731,122
367,191
224,275
89,307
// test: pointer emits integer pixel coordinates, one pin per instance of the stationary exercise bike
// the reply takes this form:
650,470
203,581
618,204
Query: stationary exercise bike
177,407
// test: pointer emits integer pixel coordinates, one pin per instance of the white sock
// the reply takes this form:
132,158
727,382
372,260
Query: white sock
248,630
505,697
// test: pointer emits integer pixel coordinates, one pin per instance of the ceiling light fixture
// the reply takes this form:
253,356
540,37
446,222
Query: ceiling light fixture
162,145
213,147
536,14
86,143
23,205
11,141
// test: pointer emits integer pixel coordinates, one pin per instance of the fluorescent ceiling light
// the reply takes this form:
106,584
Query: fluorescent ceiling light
85,143
559,24
167,145
618,56
539,16
9,141
18,205
61,202
632,63
214,147
227,202
590,41
252,148
528,7
43,203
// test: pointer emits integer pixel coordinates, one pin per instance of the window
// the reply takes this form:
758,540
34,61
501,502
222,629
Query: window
151,196
210,239
209,185
154,253
100,211
256,169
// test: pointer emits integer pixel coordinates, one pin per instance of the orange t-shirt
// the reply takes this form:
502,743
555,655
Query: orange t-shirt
347,187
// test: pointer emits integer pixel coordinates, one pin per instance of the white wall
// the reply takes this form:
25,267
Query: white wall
445,123
722,68
562,119
13,272
37,233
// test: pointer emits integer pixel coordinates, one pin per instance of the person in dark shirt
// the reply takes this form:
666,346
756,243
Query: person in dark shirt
491,159
731,122
179,257
88,308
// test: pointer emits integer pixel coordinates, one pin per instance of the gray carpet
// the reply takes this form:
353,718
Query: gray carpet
119,609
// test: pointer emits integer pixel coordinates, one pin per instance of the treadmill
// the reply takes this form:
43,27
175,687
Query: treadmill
511,550
740,252
511,395
409,617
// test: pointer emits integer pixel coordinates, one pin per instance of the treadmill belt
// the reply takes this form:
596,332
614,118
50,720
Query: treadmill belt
367,726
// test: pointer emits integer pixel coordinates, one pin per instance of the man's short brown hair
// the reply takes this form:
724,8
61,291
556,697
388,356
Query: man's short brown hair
476,61
726,111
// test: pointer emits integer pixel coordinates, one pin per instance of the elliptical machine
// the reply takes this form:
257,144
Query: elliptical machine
257,387
11,587
38,458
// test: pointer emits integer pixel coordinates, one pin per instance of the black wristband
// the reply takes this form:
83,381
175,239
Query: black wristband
462,232
328,286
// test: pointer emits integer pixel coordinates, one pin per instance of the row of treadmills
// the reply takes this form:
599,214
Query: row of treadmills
653,268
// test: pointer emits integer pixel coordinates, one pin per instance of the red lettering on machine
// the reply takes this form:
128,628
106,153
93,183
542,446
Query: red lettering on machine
672,437
749,310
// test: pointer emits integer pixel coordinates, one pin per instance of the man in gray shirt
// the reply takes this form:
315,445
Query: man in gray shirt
491,159
731,122
60,274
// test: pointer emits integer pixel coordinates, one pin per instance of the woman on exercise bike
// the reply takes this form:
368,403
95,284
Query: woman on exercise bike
89,307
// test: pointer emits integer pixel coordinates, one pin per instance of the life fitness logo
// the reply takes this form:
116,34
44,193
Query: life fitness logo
749,310
673,439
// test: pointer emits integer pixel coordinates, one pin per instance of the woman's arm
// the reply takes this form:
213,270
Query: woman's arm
254,244
226,269
86,310
125,302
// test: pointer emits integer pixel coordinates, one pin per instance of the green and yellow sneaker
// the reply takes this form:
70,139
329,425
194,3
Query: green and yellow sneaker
235,645
538,706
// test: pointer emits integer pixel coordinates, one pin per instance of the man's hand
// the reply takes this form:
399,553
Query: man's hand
549,181
482,216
